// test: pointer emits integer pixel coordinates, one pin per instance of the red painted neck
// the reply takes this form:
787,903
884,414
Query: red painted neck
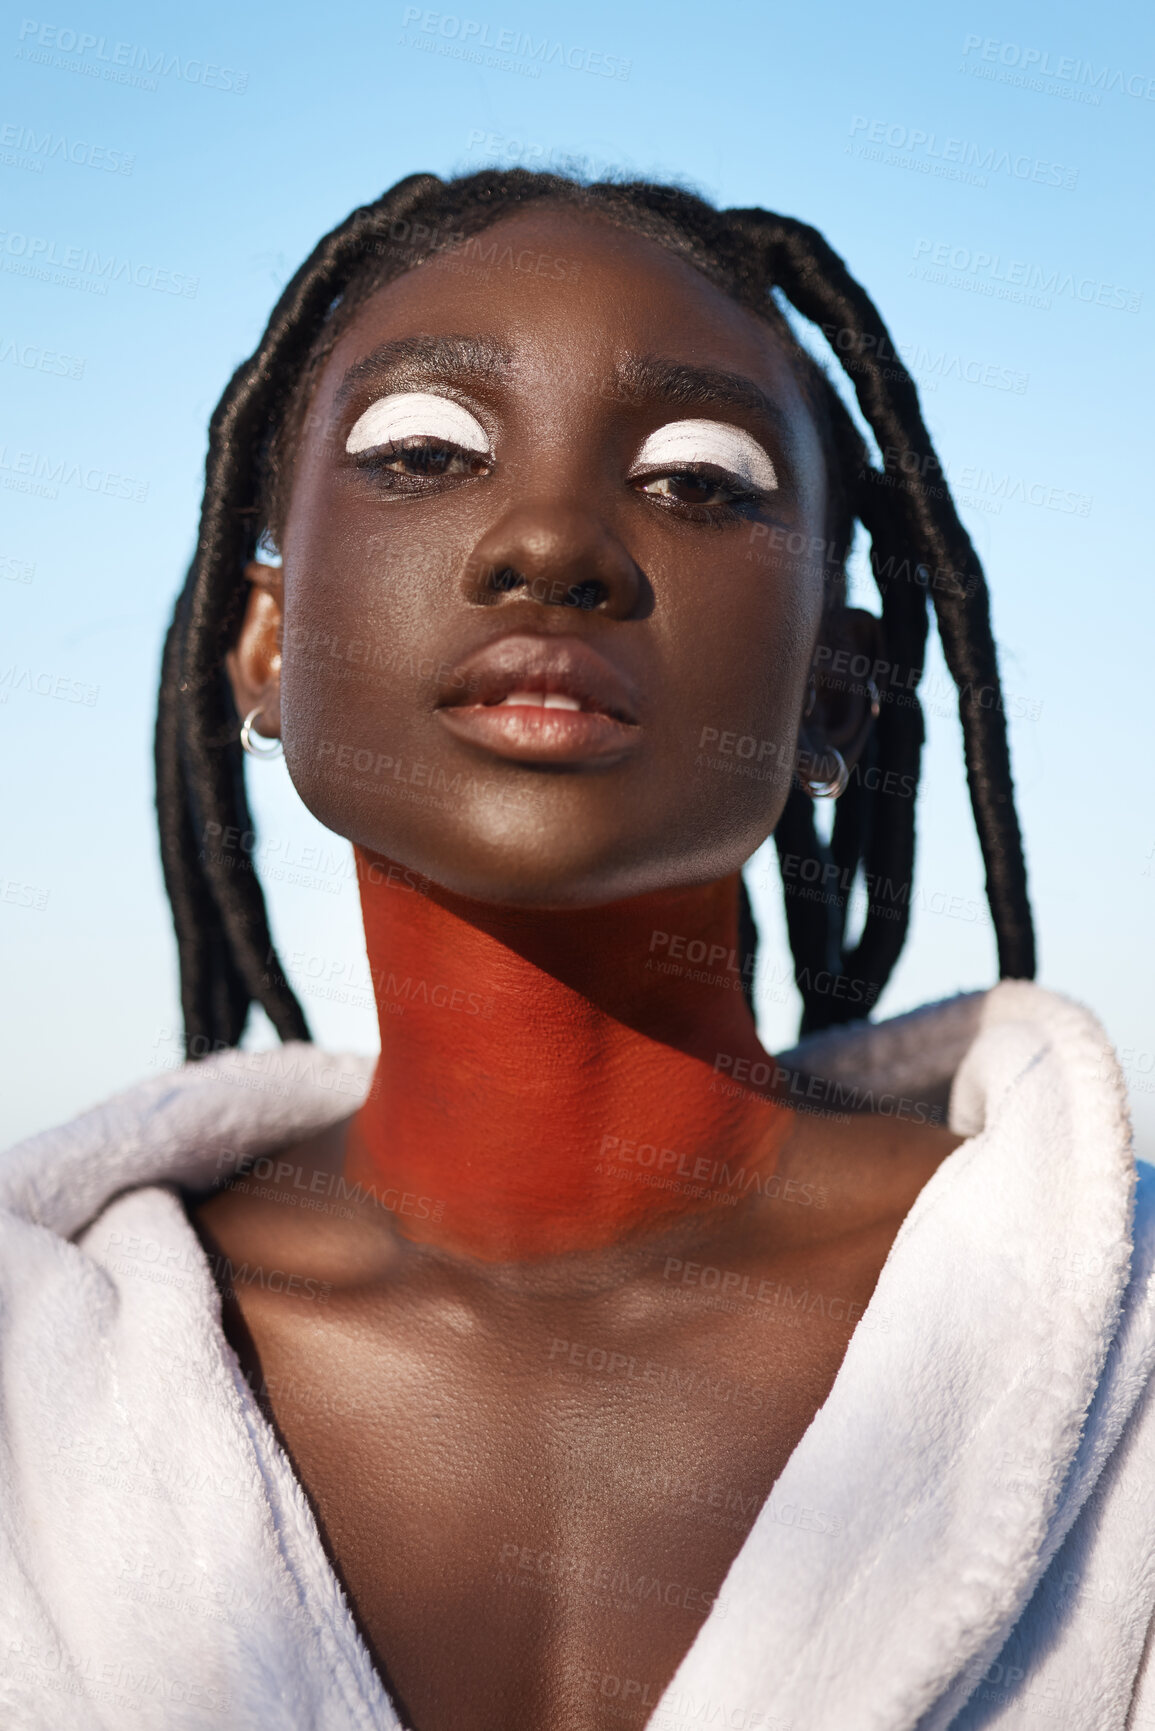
547,1081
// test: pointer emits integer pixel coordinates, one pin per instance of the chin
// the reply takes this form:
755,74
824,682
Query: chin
530,877
552,854
559,878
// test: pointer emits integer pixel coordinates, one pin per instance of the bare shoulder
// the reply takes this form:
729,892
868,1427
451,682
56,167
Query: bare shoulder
861,1171
293,1208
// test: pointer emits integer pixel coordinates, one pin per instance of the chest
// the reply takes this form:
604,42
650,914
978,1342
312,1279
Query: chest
533,1511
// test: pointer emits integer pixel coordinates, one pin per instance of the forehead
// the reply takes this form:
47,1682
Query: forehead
552,284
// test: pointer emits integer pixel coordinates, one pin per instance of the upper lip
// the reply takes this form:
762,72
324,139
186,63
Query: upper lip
525,662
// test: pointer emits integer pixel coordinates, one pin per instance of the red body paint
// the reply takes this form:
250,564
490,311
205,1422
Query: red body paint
543,1079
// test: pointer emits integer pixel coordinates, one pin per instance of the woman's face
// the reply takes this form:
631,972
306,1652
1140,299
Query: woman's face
546,633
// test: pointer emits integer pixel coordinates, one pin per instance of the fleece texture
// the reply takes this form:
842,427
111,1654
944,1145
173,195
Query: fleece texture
964,1537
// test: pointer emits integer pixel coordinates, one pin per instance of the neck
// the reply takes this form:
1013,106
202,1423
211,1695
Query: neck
548,1081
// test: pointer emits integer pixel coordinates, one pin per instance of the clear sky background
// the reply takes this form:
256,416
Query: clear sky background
209,147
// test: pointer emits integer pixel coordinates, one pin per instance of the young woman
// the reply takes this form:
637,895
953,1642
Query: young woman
578,1364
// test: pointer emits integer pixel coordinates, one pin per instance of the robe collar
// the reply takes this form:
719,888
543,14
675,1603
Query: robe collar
910,1525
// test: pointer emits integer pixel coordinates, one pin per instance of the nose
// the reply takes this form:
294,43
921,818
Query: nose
557,555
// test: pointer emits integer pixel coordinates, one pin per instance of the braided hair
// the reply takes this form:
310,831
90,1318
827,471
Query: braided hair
919,551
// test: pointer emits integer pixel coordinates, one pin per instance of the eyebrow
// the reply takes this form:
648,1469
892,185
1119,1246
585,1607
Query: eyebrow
409,362
682,386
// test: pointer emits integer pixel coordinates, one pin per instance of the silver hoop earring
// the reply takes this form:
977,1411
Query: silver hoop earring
818,788
272,747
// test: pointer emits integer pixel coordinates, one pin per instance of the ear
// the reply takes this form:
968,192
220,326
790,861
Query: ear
846,674
253,664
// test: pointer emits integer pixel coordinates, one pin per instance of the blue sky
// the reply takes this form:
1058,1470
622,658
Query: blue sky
984,170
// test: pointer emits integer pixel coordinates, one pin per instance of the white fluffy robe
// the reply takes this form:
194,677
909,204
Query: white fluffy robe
964,1537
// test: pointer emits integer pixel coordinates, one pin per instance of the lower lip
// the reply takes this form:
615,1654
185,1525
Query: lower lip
530,735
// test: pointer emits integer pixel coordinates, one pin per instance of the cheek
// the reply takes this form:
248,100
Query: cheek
357,669
739,667
743,658
359,581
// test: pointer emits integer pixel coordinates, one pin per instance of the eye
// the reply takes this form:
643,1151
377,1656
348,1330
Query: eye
703,463
413,420
422,459
696,486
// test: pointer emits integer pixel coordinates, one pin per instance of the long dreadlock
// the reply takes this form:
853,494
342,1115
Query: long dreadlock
919,549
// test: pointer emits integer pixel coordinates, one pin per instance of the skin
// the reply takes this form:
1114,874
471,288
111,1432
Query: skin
480,1472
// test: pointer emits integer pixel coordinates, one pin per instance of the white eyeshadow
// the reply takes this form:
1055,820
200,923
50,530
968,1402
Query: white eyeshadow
413,414
729,448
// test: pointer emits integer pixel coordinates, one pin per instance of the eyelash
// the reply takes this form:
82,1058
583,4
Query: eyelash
740,498
738,502
376,462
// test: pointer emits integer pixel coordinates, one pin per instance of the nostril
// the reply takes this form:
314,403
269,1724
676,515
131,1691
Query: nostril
585,595
505,579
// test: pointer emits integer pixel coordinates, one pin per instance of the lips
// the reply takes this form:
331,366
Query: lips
541,700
